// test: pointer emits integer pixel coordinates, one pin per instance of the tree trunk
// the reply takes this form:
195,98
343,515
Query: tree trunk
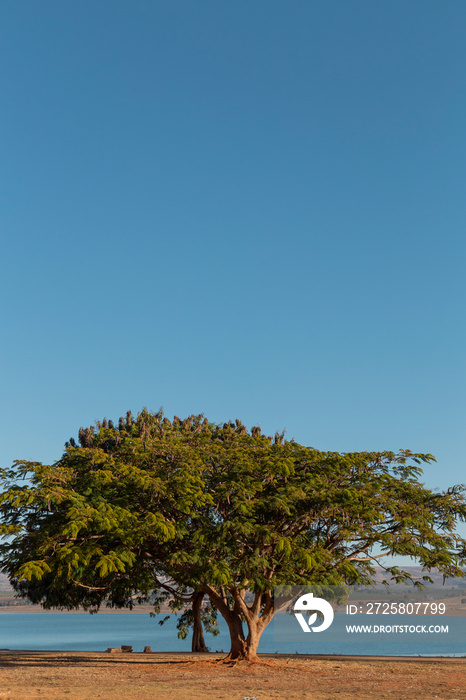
252,641
198,642
245,649
238,648
242,649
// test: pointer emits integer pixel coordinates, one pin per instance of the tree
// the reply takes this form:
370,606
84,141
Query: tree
197,617
91,491
220,511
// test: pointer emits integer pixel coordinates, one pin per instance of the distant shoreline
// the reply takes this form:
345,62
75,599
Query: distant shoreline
39,609
196,656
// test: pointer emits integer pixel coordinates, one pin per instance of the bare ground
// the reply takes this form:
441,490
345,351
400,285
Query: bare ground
89,675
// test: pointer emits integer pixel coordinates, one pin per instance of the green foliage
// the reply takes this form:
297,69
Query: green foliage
193,506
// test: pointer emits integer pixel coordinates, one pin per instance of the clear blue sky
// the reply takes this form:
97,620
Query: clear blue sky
243,209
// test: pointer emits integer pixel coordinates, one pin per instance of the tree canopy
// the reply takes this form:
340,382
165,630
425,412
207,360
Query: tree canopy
217,510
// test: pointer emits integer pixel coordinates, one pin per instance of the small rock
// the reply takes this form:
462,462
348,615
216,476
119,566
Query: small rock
114,650
147,650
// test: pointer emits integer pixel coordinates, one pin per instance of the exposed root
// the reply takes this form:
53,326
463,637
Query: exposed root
228,662
232,663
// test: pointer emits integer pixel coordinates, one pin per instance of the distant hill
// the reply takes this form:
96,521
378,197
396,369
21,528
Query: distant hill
416,571
5,584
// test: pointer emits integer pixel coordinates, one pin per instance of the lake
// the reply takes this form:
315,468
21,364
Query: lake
84,632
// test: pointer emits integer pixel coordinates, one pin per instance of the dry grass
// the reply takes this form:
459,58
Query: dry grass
90,675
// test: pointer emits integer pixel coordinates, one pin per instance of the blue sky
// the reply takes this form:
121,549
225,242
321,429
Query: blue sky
246,209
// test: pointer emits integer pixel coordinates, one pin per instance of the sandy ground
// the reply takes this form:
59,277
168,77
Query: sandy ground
89,675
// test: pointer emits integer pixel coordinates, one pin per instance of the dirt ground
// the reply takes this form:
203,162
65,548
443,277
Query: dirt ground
90,675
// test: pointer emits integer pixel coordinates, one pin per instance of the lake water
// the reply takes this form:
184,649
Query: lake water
84,632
